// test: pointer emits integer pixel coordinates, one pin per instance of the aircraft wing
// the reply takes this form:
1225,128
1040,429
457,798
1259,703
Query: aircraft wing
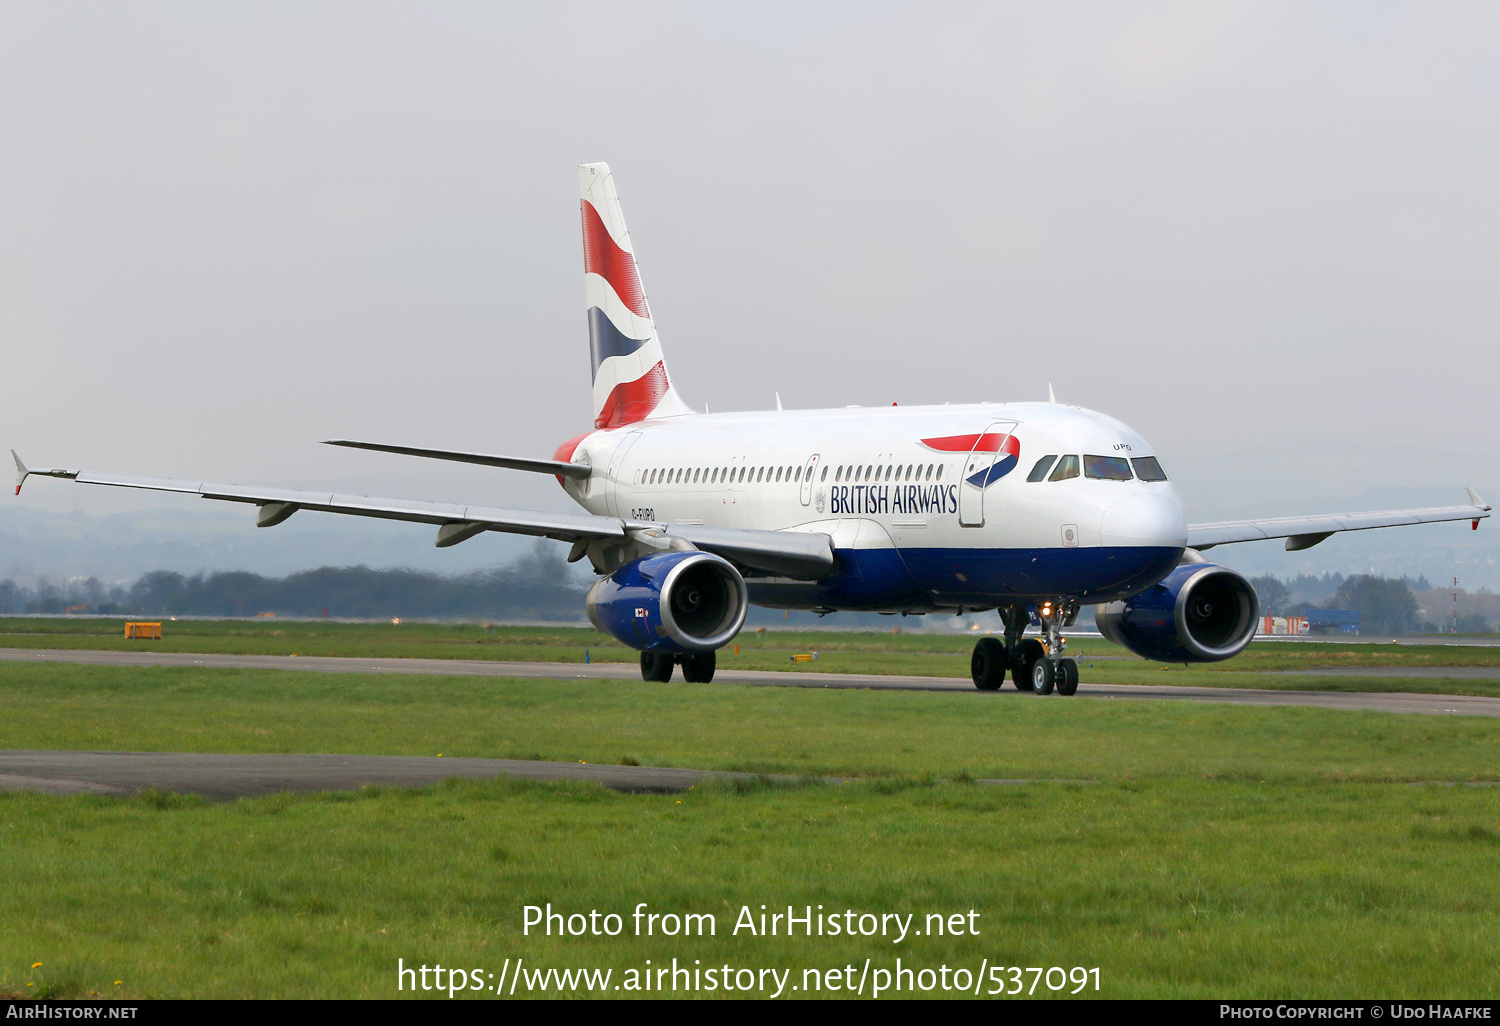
1305,532
802,555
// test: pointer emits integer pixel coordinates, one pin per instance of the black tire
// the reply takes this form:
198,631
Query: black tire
657,666
698,668
1043,676
988,664
1027,654
1067,677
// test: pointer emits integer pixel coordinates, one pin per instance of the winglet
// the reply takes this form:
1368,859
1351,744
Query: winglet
23,471
1474,498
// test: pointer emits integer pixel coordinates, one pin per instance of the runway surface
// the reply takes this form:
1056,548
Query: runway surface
225,777
1395,702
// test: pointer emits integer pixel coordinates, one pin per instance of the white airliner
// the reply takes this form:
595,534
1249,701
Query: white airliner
1034,509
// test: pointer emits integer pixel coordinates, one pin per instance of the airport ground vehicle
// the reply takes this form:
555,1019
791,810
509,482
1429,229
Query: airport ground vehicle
1034,509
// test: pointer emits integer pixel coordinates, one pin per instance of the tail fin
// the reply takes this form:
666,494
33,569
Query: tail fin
631,381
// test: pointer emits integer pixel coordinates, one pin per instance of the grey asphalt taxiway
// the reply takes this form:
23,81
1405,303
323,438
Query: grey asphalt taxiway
224,777
1395,702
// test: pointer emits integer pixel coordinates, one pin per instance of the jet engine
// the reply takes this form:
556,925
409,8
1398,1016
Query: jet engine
675,602
1200,613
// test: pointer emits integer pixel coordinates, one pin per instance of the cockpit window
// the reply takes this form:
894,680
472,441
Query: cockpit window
1066,467
1107,468
1147,469
1040,470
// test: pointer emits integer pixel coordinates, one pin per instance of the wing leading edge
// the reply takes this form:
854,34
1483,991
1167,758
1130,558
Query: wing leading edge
1305,532
802,555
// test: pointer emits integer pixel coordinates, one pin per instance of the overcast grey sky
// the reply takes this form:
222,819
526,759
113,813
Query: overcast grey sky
1265,235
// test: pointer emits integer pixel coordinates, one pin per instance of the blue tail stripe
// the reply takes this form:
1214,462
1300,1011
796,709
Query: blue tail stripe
606,340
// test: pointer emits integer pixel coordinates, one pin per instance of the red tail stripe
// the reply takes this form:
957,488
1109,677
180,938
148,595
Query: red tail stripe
632,401
602,257
990,441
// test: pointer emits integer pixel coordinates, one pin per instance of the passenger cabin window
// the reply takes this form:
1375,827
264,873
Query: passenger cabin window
1067,467
1147,469
824,476
1107,468
940,472
1040,470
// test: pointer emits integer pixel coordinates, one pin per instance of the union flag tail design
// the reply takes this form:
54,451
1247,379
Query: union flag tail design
631,381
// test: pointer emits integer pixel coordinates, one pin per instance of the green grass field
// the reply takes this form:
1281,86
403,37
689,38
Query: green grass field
919,654
1222,852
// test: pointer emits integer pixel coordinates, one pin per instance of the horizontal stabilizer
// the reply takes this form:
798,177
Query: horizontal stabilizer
557,467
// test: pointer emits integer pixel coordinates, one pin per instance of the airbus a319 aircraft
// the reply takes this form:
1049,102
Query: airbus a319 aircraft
1033,509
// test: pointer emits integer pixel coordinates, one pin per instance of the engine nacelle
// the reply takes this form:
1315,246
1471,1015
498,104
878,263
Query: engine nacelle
678,602
1201,613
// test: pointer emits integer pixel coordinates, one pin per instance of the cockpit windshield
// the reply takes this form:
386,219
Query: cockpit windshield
1107,468
1040,470
1147,469
1066,467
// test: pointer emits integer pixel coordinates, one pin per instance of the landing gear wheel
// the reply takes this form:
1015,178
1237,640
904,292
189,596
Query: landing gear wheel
1043,676
988,664
1067,676
1027,655
698,668
657,666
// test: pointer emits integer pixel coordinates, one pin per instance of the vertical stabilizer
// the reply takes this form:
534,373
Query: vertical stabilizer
631,382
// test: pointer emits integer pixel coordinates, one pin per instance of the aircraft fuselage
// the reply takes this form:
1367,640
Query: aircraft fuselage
929,507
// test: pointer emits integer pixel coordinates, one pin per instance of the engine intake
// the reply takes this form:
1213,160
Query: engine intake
677,602
1201,613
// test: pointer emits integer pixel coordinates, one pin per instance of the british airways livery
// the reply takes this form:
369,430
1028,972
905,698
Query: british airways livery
1032,509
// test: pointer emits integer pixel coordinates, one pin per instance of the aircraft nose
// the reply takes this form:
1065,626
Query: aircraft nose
1144,520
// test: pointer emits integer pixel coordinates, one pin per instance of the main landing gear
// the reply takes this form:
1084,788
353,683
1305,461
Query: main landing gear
1033,665
697,668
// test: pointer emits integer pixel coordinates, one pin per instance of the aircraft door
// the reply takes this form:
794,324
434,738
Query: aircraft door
617,469
984,466
807,478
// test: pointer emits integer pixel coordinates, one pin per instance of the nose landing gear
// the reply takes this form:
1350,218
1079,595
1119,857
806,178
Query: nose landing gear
1033,665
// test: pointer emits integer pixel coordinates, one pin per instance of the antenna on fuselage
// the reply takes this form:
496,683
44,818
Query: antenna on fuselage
778,402
1051,395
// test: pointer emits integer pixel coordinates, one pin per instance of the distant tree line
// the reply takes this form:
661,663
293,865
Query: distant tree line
542,587
1386,604
536,588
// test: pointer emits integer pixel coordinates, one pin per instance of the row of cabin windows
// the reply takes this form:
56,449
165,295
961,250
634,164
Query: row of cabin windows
1100,468
721,475
738,475
890,472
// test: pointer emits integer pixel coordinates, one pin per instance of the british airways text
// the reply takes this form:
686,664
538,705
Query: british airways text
894,498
